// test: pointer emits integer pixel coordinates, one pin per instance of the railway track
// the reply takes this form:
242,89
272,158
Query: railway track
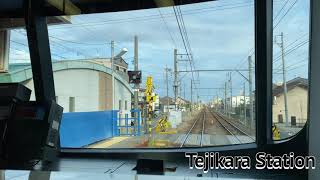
201,127
198,123
230,127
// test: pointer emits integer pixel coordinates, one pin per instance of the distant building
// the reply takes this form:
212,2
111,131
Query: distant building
234,105
80,85
166,104
182,102
217,103
238,100
297,96
119,65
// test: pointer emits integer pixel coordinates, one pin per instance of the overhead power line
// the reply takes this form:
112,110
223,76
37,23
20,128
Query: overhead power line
83,43
157,16
291,43
279,12
53,43
276,25
168,29
289,51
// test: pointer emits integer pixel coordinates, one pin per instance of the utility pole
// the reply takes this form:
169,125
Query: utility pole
191,95
136,68
5,48
236,108
250,92
184,91
217,101
136,85
167,87
112,74
230,84
198,100
175,86
225,98
281,44
245,104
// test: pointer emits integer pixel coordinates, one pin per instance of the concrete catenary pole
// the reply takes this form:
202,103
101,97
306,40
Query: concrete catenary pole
136,85
4,50
2,175
191,95
198,102
184,91
167,87
112,74
136,68
230,84
244,104
284,73
250,92
225,98
175,77
217,101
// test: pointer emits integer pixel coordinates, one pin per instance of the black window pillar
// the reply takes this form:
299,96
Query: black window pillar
39,48
263,62
314,88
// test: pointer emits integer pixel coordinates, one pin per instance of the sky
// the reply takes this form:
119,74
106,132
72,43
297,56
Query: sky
221,36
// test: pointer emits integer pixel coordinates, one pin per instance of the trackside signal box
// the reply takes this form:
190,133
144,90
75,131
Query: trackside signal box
134,77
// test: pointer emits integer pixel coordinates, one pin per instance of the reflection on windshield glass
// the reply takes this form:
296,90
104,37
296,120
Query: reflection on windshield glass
181,76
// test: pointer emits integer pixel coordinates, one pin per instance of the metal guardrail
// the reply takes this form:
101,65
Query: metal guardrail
130,130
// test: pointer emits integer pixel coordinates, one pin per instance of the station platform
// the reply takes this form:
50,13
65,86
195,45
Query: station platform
169,141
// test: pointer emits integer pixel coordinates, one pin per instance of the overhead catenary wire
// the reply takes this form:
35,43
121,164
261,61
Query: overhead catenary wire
157,16
167,27
184,37
188,41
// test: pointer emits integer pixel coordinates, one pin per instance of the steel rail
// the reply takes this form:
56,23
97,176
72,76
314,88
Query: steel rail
235,126
225,127
202,131
189,132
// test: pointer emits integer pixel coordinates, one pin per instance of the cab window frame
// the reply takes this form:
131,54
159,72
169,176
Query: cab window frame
263,12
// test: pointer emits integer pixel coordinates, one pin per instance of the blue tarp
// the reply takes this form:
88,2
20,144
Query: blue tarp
79,129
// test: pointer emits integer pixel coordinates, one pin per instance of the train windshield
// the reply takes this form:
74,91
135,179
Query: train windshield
170,77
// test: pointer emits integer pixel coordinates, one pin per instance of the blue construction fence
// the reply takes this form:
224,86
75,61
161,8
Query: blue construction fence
80,129
127,128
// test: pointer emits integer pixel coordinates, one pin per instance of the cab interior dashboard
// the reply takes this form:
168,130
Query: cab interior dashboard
124,160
